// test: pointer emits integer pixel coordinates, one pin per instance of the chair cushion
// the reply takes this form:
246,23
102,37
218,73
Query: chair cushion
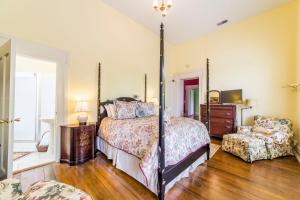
245,146
54,190
245,140
10,189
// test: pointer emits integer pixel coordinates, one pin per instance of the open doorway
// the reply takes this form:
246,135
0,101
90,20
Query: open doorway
35,105
191,98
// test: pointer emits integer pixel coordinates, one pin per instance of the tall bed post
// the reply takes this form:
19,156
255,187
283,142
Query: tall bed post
145,96
99,92
161,142
207,96
207,105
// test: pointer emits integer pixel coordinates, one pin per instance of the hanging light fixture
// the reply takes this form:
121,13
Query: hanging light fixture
162,6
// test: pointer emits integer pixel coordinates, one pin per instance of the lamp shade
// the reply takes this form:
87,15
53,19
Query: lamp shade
251,103
82,106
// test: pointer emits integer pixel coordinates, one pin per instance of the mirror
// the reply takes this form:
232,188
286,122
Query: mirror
214,96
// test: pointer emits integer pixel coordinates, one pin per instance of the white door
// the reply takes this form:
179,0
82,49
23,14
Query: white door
7,61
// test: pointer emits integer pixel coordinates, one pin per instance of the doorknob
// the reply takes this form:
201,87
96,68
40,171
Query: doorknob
16,120
4,121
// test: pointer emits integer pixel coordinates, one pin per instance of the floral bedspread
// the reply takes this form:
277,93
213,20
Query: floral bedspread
139,137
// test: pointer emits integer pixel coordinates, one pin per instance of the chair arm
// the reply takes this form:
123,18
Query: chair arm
244,129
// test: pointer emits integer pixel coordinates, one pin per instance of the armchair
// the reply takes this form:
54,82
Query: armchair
268,138
11,189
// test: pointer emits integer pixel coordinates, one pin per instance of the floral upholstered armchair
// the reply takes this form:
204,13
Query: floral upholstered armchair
10,189
268,138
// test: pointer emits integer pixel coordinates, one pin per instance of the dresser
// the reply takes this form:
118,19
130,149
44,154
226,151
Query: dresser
222,119
77,143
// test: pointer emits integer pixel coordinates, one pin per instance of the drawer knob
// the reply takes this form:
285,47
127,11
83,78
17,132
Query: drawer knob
228,114
228,126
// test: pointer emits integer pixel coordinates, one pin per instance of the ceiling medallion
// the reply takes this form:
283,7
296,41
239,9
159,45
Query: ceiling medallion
162,7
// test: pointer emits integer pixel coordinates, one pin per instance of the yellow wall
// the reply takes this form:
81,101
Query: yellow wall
298,73
257,55
90,31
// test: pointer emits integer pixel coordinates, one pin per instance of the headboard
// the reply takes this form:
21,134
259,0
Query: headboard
102,111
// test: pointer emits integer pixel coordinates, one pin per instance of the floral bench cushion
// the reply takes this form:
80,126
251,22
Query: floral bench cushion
245,146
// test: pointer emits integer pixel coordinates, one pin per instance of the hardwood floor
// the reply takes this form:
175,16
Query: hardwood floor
223,177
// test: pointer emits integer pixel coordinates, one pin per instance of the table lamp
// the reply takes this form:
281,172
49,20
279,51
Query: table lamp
82,108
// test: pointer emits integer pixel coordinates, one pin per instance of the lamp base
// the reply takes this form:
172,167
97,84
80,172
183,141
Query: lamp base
82,119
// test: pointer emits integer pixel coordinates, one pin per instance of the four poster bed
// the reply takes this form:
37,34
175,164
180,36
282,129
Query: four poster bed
155,151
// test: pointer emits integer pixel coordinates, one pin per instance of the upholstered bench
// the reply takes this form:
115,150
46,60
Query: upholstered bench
245,146
11,189
269,138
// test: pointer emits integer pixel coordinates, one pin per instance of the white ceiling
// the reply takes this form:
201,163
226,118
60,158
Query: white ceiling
189,19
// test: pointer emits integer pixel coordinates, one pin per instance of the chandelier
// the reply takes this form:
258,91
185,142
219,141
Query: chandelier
162,7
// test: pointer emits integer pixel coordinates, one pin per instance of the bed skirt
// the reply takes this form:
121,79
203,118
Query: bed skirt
130,165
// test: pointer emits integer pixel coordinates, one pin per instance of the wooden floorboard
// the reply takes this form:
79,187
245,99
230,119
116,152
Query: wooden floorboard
223,177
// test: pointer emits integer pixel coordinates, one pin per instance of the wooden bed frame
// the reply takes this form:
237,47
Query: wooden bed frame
165,174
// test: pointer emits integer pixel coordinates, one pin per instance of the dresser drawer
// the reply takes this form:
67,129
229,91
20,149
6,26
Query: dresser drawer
223,123
83,153
229,114
84,129
83,136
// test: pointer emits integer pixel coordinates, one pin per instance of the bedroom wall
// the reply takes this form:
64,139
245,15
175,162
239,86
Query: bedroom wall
90,31
257,55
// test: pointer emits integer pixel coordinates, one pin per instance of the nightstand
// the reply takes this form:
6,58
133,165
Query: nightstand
77,143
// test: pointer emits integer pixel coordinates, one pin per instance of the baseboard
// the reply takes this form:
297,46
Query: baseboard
297,153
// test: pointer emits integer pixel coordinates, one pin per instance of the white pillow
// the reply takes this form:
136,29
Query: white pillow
263,130
107,108
113,112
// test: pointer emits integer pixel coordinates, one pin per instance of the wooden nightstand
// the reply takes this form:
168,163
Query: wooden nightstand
77,143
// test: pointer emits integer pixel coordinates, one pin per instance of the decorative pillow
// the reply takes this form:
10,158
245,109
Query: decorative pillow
10,189
107,108
112,109
145,109
125,110
245,129
284,125
263,130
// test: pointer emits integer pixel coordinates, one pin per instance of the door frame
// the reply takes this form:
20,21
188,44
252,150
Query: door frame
11,105
187,98
61,58
175,86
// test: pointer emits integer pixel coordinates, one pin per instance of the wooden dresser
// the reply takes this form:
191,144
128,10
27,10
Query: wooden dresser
77,143
222,119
